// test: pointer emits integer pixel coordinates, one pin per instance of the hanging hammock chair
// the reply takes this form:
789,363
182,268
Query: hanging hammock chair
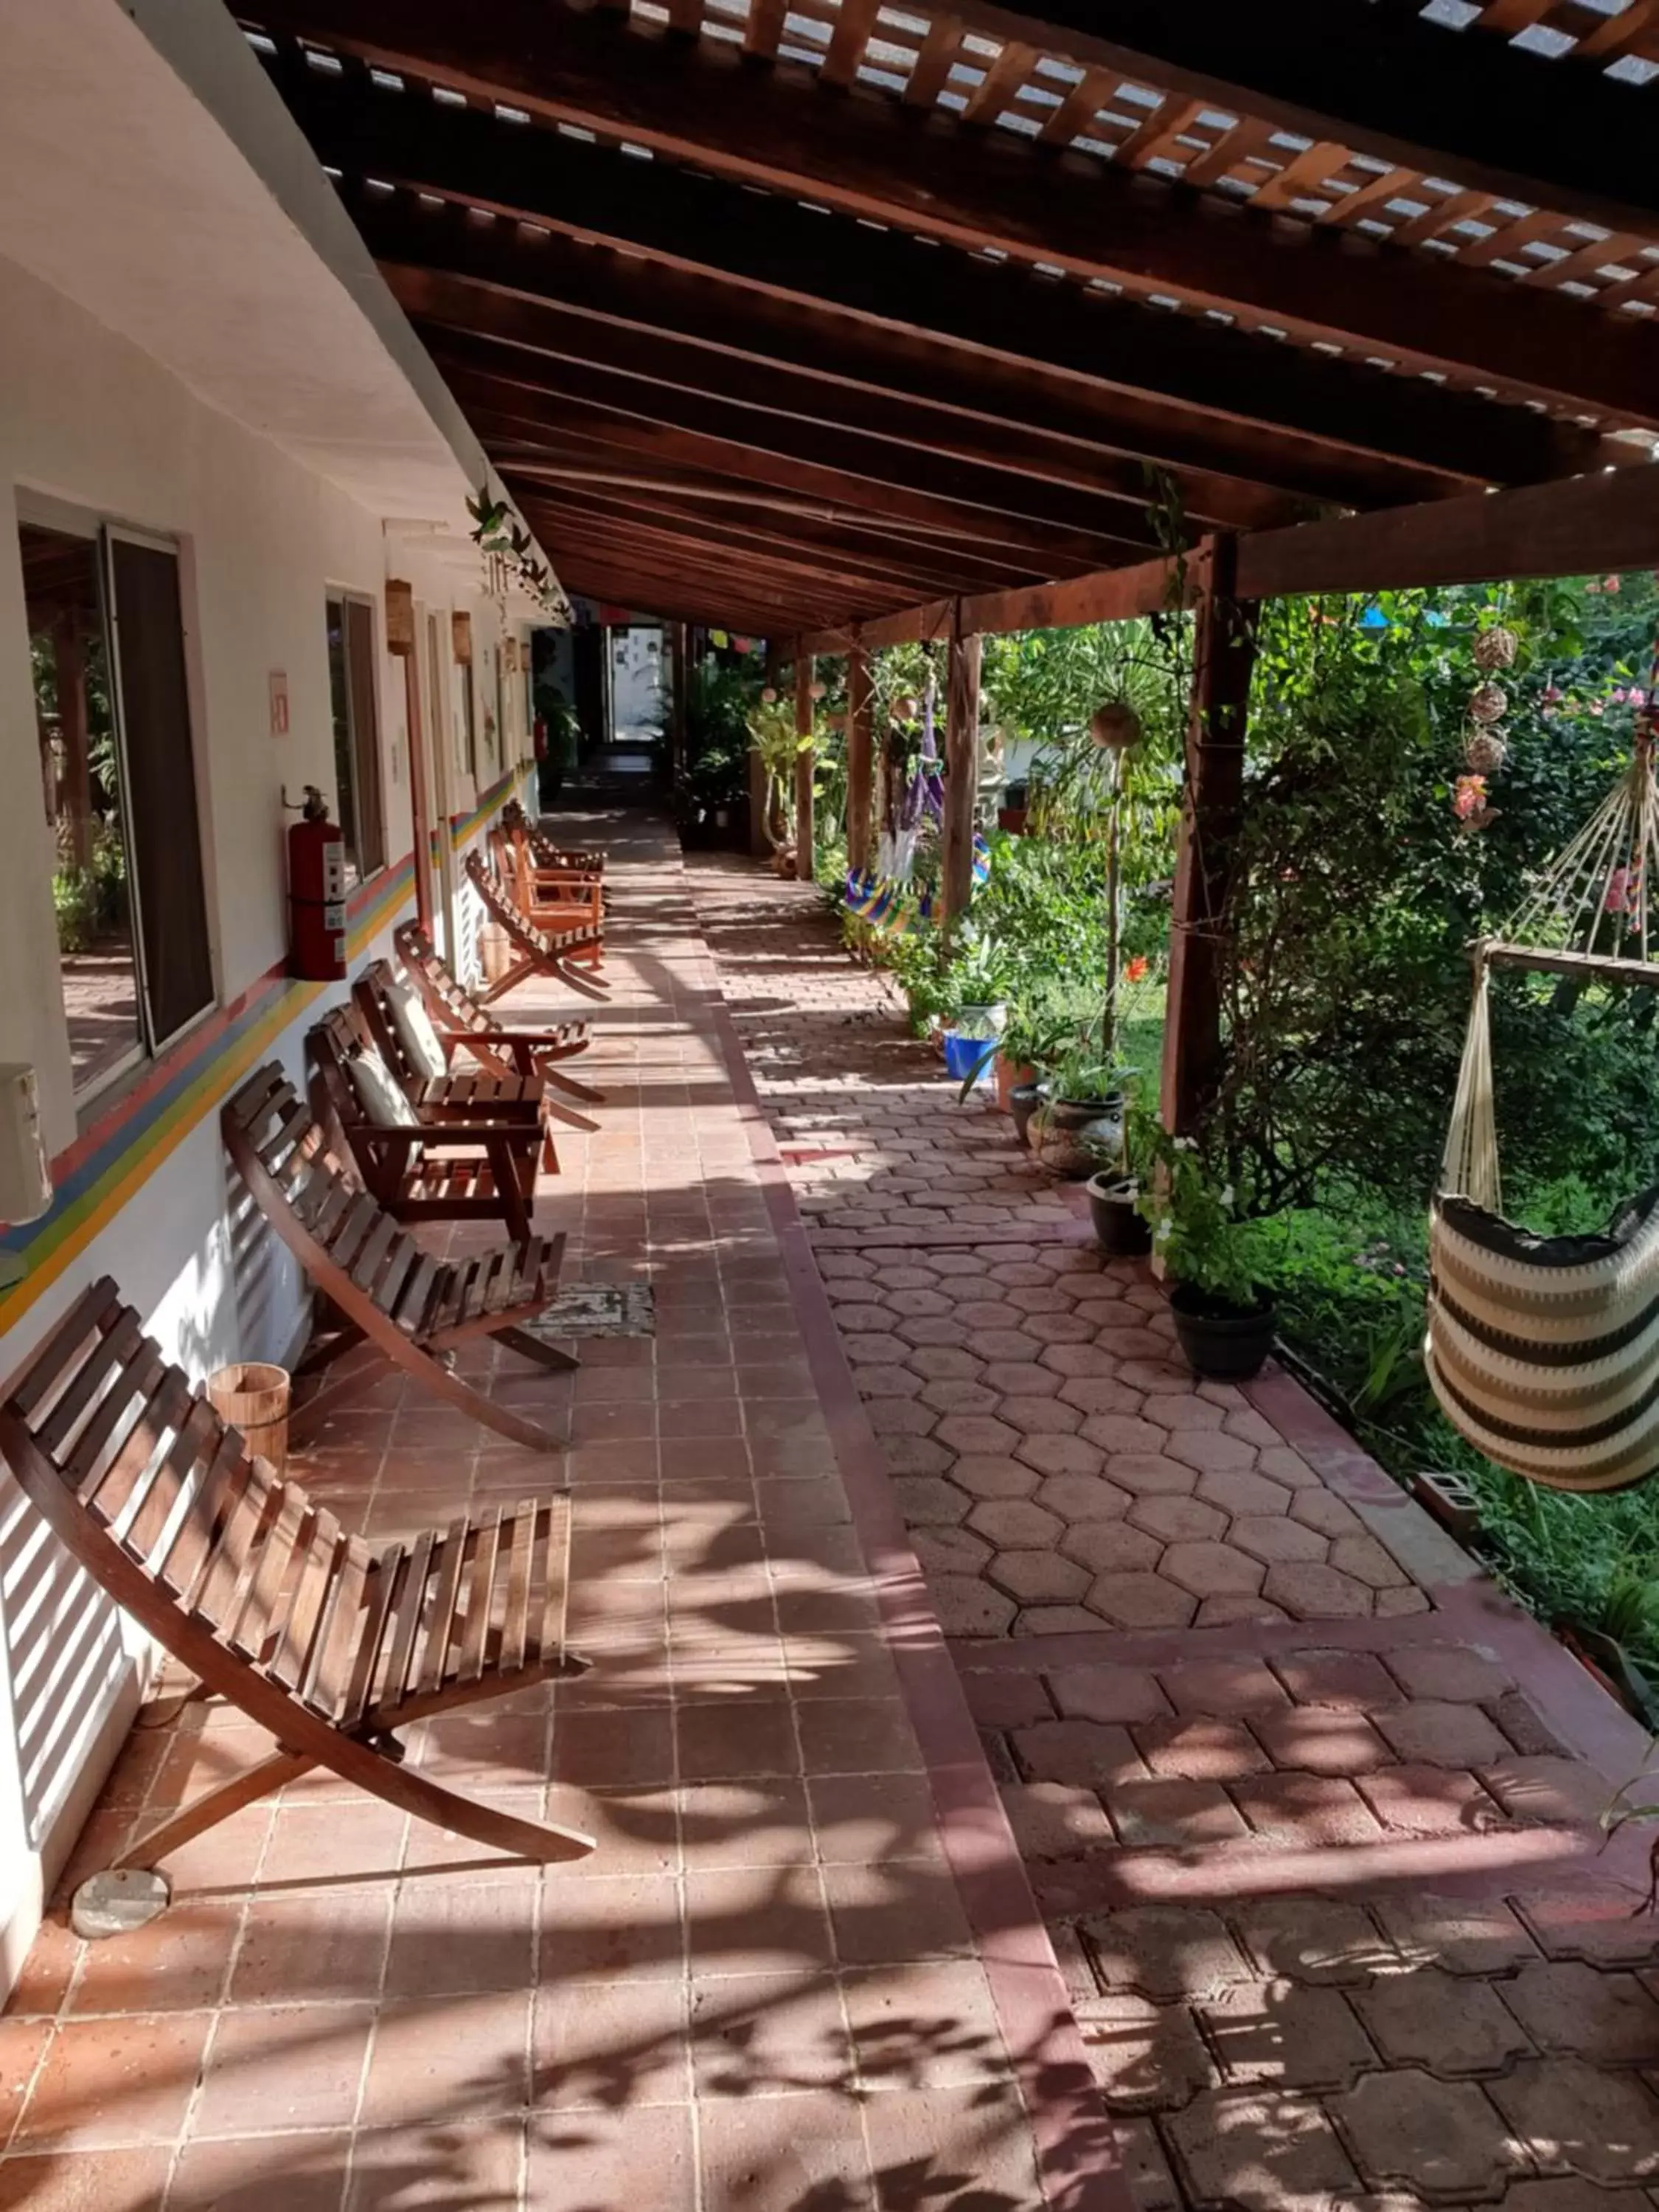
1544,1350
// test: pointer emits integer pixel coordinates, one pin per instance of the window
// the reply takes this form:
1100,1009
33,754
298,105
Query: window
107,641
469,731
361,811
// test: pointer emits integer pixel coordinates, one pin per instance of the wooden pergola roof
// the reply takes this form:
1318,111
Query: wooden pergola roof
797,313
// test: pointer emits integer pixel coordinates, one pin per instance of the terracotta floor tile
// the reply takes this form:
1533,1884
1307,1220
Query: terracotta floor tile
782,2154
107,2083
87,2181
333,1844
281,2068
594,1750
612,1928
927,2024
438,2168
449,2057
301,2172
857,1736
637,2158
458,1936
320,1945
740,1738
900,1910
178,1963
770,2035
610,2046
861,1820
757,1920
762,1821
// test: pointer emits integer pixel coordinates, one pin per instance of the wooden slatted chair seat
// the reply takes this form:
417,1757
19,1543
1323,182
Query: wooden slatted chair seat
329,1644
549,899
445,1163
462,1022
482,1087
539,951
388,1294
588,861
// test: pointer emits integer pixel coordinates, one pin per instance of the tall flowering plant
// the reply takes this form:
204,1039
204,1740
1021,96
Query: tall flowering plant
1196,1230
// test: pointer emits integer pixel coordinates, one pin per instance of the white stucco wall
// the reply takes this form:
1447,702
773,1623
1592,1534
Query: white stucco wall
89,420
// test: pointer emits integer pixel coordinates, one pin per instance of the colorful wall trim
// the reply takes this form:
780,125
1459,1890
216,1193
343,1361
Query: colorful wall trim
95,1176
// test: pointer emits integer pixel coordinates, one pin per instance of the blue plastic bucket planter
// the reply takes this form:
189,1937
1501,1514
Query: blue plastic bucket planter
963,1055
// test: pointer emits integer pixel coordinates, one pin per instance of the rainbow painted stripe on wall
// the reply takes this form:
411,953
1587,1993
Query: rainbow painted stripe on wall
95,1176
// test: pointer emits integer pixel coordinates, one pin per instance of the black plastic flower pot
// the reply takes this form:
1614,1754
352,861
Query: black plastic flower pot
1119,1229
1024,1100
1223,1342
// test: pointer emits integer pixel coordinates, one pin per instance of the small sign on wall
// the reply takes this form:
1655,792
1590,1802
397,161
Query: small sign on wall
279,702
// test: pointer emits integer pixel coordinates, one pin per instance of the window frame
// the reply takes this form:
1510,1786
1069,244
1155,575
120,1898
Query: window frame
344,597
102,533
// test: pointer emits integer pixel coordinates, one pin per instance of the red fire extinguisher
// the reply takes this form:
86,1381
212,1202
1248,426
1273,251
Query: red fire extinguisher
317,892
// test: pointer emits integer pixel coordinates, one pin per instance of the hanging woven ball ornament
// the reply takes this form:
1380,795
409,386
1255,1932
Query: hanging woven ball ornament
1115,725
1485,751
905,709
818,690
1489,703
1496,648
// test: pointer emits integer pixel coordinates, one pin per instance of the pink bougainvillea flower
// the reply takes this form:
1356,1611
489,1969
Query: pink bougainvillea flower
1552,693
1620,697
1610,583
1636,697
1469,797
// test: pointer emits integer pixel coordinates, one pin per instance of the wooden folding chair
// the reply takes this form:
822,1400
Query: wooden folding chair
384,1291
464,1025
540,951
475,1090
329,1644
587,861
548,898
440,1165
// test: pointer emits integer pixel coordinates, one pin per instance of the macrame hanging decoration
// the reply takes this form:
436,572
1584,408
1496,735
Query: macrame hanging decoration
1544,1350
1484,748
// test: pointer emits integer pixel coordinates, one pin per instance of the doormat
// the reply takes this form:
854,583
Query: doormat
599,1310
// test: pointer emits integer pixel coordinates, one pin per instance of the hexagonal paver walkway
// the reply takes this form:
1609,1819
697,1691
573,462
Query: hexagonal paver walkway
1311,1809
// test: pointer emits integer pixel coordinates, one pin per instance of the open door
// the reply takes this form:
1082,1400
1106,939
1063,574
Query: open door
443,793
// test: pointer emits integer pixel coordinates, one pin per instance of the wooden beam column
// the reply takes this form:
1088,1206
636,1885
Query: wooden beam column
960,771
804,766
1223,653
861,710
677,673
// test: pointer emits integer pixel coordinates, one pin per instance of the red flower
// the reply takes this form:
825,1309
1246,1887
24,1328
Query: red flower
1134,971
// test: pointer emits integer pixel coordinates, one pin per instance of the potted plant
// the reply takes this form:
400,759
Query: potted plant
1224,1317
1079,1119
1121,1228
1011,814
977,984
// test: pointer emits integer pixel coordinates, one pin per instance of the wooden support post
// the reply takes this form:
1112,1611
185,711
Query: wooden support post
860,709
676,687
804,767
961,772
1223,652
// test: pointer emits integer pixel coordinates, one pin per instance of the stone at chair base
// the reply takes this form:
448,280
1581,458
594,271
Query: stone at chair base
118,1901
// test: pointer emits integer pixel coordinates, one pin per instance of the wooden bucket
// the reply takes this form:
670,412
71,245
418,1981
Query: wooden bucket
495,952
253,1397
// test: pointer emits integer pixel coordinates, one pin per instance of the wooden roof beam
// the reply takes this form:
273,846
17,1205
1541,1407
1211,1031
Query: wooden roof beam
778,247
470,356
1383,81
436,300
498,409
1217,464
984,189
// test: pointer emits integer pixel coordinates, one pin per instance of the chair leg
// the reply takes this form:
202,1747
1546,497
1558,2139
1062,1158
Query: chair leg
213,1806
531,1347
569,1115
446,1808
584,1091
586,987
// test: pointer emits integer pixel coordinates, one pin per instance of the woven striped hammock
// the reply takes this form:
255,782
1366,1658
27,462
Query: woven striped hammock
1544,1350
